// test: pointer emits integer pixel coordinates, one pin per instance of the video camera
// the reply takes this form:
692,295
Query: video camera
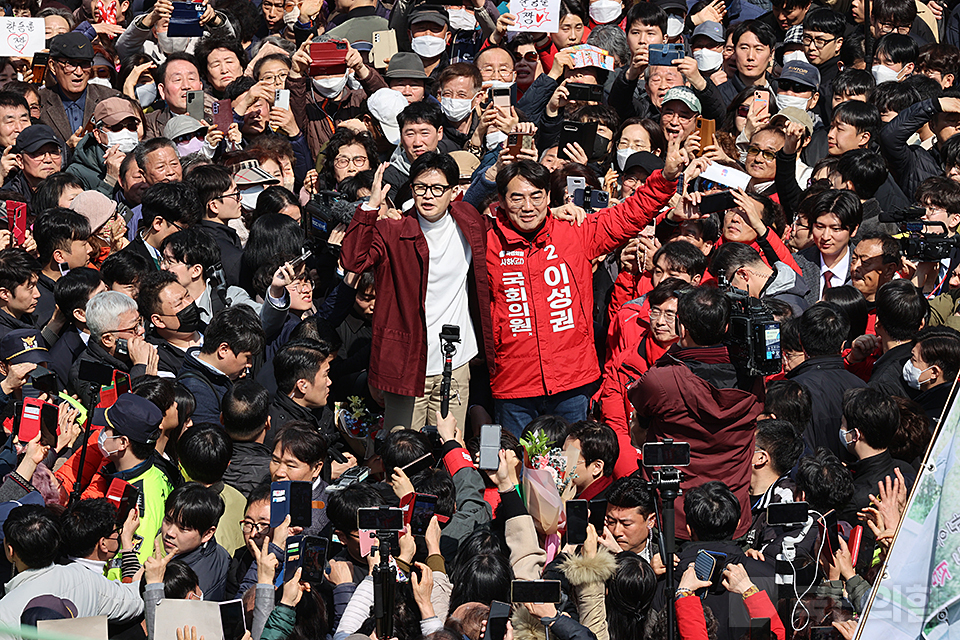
324,211
916,244
753,336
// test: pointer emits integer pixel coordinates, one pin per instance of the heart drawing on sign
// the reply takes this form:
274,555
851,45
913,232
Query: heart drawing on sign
17,41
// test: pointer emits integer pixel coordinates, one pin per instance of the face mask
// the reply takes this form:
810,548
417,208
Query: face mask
127,140
191,146
462,20
330,87
103,82
495,138
428,46
708,60
622,156
797,102
883,73
189,318
911,375
843,437
248,197
674,25
457,109
605,11
102,444
794,56
146,94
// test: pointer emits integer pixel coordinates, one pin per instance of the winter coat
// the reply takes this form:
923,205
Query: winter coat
787,286
588,577
911,164
90,168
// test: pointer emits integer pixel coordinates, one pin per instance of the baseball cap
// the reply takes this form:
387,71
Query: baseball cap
678,6
249,173
802,73
643,160
48,607
794,114
794,35
95,207
429,13
134,417
182,125
710,29
34,137
114,111
23,345
385,105
406,64
73,45
34,497
684,95
466,162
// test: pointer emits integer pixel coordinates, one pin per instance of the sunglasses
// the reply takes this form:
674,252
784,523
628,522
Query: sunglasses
529,56
769,156
789,85
129,125
743,110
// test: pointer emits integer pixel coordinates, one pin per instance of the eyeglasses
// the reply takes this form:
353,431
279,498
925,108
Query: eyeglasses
536,199
53,153
101,72
504,72
234,196
436,190
884,28
743,110
817,43
248,526
341,162
529,56
137,328
667,115
302,285
790,85
130,124
72,65
769,156
668,316
276,79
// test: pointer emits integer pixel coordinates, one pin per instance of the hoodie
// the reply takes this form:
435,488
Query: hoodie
785,285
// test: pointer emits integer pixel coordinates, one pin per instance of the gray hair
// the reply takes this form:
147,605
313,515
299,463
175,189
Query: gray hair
146,147
104,311
612,38
276,41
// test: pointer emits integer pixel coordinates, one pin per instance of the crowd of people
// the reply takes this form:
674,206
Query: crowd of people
319,241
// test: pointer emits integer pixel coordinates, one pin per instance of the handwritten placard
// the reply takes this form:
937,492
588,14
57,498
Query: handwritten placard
539,16
21,37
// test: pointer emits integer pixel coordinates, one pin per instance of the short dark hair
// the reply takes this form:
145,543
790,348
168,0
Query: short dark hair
204,451
730,256
34,535
940,346
668,289
825,482
303,441
422,112
148,296
403,446
238,327
950,152
647,14
533,172
823,330
17,267
161,73
874,414
160,391
211,181
343,505
682,256
124,267
194,506
789,400
939,191
208,44
853,82
764,32
840,202
901,309
460,70
194,245
84,524
437,482
824,20
865,169
712,511
72,291
898,48
900,13
245,407
894,96
554,427
298,360
862,116
631,492
782,443
51,188
173,201
704,313
10,99
597,442
436,161
943,58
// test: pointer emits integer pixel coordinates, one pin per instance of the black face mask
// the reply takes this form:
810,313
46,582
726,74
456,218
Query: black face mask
189,318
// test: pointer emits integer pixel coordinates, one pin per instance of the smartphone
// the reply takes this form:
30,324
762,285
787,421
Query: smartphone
659,454
233,620
37,416
516,142
294,499
39,66
222,114
384,48
17,220
489,447
762,97
785,513
293,558
597,199
598,514
706,128
717,202
574,183
582,133
195,105
829,529
424,506
122,349
303,257
328,58
380,519
500,96
124,496
368,540
853,542
542,591
577,519
420,465
44,380
581,92
314,551
282,100
663,55
497,620
709,565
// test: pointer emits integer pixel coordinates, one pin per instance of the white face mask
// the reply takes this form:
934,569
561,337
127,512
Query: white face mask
462,20
622,156
797,102
330,87
146,94
494,138
605,11
795,56
428,46
843,437
911,375
457,109
191,146
707,59
102,444
883,73
103,82
674,25
248,197
124,138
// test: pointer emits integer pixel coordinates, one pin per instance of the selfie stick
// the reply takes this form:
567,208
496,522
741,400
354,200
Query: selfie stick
449,336
666,482
89,395
384,587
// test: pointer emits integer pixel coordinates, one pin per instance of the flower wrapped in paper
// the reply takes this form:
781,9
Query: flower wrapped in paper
547,481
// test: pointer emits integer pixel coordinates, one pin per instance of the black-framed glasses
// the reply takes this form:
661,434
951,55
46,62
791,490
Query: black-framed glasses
135,329
436,190
819,43
769,156
130,124
248,526
235,195
790,85
71,65
529,56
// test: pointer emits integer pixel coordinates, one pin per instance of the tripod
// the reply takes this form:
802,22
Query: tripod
666,482
449,337
384,587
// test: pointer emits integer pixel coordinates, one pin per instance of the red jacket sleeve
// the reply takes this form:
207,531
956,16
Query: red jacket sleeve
606,230
759,606
623,288
362,244
690,619
67,474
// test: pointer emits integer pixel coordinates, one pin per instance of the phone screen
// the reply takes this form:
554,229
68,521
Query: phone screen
577,521
232,619
535,591
424,506
314,558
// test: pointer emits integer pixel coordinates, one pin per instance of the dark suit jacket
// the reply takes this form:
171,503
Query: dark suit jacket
137,246
54,115
812,253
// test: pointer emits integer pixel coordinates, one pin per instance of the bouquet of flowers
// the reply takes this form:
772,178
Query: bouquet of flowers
359,425
547,481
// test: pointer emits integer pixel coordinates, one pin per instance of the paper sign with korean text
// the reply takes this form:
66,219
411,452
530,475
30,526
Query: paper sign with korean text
21,37
538,16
